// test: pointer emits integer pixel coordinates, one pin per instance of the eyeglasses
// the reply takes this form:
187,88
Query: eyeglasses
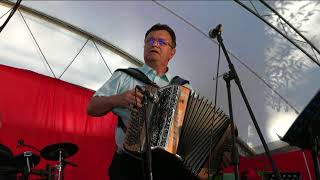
160,41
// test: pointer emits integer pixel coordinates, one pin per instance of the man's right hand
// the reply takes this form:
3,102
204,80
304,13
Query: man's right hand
101,105
130,98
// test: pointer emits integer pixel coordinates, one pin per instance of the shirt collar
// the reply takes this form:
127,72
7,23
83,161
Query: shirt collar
147,69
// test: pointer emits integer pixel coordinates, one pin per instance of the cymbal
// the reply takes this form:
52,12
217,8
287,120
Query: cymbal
7,164
52,152
5,153
8,169
22,160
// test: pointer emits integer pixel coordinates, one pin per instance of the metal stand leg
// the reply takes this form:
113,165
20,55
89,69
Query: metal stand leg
234,151
315,152
149,101
149,175
60,172
49,171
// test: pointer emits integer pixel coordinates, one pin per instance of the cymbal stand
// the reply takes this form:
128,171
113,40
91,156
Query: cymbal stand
49,170
26,172
27,154
60,166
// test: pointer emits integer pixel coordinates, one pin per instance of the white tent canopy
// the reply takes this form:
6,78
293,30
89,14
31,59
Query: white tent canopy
266,62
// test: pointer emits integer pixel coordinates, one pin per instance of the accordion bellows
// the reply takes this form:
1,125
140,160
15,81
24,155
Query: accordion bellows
182,123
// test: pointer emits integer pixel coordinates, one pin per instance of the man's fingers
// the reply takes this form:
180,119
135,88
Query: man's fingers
139,94
137,102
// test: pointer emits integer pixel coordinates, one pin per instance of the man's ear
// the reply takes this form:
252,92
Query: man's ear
173,52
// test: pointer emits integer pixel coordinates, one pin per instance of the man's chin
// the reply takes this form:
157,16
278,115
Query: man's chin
152,59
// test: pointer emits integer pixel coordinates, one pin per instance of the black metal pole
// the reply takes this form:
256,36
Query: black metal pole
234,151
149,100
49,170
315,152
237,81
15,7
148,170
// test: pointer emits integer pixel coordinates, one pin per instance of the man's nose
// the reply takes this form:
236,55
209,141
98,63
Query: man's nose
156,43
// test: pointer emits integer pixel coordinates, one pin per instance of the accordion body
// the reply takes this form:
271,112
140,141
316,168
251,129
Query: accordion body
182,123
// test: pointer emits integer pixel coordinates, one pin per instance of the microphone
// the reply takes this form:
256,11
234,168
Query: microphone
152,96
20,142
23,144
213,33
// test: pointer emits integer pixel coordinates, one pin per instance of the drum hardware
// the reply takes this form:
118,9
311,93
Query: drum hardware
59,152
25,162
47,173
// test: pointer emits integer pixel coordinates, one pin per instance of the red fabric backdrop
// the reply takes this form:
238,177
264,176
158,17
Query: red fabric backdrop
43,111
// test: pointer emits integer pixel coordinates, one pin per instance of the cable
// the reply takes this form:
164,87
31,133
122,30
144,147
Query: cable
218,67
215,105
102,57
14,9
45,59
254,7
5,13
74,58
306,163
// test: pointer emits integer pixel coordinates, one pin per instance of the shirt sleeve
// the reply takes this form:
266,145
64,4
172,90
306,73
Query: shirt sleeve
112,86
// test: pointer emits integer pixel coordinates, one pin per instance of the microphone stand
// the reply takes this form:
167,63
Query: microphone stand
148,100
232,75
234,149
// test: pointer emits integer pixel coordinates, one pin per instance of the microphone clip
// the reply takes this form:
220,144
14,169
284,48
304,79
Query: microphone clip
213,33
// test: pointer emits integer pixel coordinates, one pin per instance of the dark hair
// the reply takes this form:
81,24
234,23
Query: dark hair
165,27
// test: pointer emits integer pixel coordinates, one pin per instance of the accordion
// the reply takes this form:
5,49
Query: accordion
182,123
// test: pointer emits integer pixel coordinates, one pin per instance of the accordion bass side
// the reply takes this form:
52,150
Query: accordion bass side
182,123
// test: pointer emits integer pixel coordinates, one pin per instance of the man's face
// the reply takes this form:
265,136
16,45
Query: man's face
158,48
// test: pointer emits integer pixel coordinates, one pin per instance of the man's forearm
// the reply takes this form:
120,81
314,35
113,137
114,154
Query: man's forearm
101,105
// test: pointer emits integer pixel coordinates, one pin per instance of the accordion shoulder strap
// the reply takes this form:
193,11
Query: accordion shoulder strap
137,74
121,124
178,81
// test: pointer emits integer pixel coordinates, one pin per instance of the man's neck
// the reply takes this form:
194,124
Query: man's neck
161,70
